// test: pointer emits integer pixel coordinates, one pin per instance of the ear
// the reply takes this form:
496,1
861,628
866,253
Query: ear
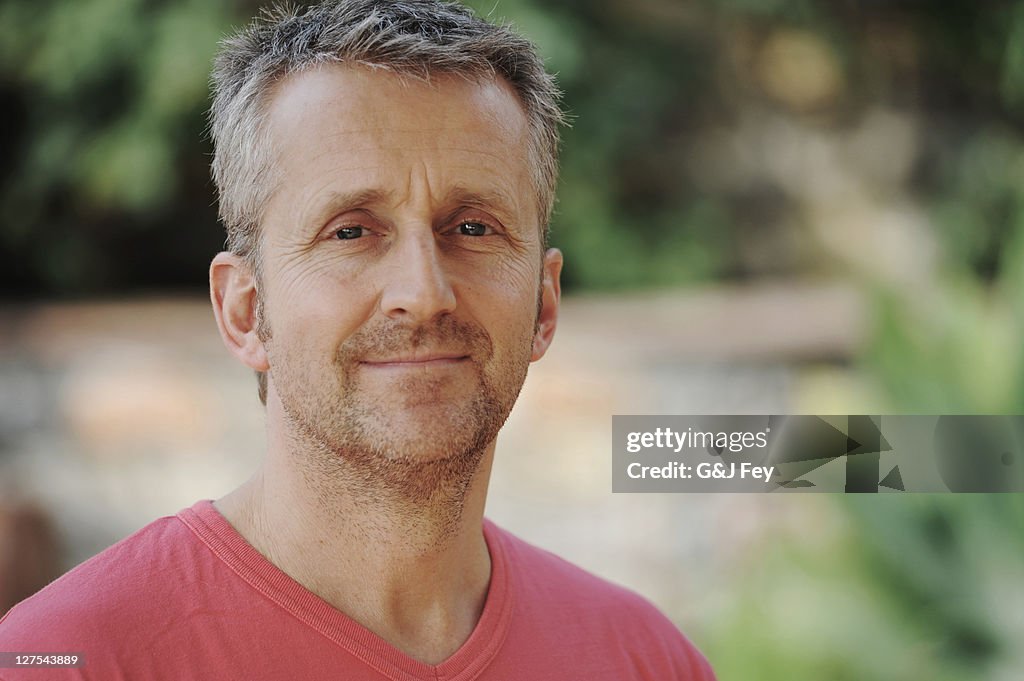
550,295
233,294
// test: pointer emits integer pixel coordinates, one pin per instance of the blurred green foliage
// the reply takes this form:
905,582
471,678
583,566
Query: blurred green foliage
104,178
899,588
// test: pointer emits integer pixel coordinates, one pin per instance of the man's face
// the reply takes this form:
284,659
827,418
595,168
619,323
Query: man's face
401,264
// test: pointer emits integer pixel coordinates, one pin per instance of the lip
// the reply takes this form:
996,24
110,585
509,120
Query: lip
414,361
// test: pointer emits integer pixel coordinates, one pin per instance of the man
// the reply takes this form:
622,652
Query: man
386,174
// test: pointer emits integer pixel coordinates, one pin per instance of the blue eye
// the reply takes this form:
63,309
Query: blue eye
473,229
349,232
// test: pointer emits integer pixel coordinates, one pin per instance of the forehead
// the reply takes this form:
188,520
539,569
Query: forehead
348,89
355,128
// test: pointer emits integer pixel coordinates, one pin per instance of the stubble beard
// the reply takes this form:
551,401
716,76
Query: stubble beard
349,451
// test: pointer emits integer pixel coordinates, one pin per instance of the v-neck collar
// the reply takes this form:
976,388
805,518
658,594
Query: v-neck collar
465,664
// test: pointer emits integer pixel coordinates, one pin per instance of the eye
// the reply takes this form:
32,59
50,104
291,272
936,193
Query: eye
474,229
350,232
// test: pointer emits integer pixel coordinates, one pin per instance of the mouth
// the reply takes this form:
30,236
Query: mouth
415,361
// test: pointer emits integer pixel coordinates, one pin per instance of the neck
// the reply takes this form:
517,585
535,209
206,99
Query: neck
416,574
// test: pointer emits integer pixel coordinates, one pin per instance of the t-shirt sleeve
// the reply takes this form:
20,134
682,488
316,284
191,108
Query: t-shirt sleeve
683,661
101,610
662,652
35,626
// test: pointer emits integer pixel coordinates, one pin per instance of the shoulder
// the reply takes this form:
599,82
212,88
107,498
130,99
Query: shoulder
573,602
543,574
107,596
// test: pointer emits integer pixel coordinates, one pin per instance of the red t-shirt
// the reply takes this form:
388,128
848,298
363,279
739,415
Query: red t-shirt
186,597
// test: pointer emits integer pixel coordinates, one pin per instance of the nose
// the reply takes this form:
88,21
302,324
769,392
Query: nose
418,286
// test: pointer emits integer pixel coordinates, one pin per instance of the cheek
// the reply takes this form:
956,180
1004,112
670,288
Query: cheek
507,308
317,303
317,274
508,279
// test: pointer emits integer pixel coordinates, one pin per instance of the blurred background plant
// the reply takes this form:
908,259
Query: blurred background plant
900,588
715,143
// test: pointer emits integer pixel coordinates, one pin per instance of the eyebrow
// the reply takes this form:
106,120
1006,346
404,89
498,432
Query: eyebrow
341,202
492,200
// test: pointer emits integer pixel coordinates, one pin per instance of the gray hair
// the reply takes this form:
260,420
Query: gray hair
418,38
